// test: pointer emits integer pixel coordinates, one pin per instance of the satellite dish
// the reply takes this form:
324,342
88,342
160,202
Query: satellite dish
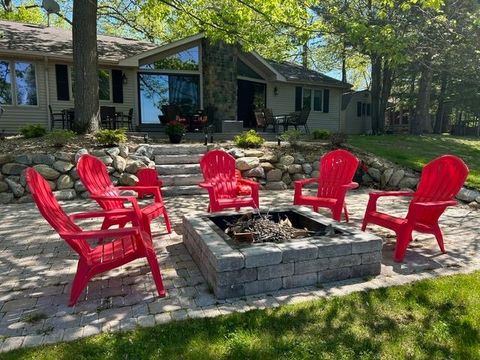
51,6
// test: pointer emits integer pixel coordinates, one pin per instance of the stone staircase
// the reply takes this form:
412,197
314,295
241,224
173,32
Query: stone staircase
179,168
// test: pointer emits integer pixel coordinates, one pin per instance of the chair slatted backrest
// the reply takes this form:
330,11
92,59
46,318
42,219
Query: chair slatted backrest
337,168
269,119
260,118
107,112
218,168
94,175
303,116
51,210
147,177
441,180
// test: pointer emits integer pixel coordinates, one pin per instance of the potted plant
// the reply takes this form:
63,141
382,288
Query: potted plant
175,131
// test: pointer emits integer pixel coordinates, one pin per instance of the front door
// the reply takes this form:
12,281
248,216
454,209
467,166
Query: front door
251,95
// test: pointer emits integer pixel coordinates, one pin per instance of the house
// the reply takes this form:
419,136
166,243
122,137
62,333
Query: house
36,69
355,114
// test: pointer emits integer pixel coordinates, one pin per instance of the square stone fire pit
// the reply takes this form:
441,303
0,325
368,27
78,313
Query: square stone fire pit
234,269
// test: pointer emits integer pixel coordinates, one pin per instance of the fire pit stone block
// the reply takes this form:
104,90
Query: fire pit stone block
233,270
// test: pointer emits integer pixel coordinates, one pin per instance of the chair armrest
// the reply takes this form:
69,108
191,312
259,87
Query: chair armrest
248,182
432,204
205,185
377,194
94,214
130,199
352,185
154,190
306,181
101,234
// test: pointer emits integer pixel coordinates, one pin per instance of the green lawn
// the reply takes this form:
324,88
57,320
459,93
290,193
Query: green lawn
416,151
431,319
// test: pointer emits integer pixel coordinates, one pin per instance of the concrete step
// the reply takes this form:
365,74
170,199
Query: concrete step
178,169
181,180
177,159
179,149
182,190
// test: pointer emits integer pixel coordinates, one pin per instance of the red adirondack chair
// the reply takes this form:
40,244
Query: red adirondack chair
147,177
218,168
440,181
337,169
124,245
94,176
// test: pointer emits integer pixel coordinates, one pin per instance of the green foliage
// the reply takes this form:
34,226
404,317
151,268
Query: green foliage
338,139
321,134
33,131
107,137
249,139
292,136
175,128
60,137
430,319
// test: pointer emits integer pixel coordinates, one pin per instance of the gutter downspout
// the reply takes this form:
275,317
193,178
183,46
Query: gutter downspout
47,93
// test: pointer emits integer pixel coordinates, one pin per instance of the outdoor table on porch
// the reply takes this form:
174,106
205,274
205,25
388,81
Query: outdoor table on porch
68,117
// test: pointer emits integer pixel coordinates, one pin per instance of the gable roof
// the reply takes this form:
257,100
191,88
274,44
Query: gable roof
347,97
55,42
297,74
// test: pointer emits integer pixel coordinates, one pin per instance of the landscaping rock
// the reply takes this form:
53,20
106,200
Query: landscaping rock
367,179
47,172
396,177
247,163
24,159
3,186
274,175
267,166
113,151
307,168
46,159
13,168
63,166
123,150
316,165
128,179
467,195
385,178
236,153
408,182
287,160
119,163
477,199
107,160
287,179
257,172
64,156
25,199
6,198
17,189
79,154
110,169
5,158
315,174
133,166
294,169
141,158
299,158
374,173
269,157
74,174
276,185
69,194
299,177
98,152
52,184
253,153
64,182
144,150
79,187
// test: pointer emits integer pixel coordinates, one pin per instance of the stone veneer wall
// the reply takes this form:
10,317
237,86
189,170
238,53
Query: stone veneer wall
219,63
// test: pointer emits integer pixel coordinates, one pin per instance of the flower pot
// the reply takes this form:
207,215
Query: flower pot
175,138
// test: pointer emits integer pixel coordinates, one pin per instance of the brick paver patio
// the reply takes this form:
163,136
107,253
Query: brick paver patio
37,267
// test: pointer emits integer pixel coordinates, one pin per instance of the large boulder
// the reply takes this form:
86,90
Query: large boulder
64,156
46,159
3,186
67,194
374,173
253,153
144,150
307,168
247,163
119,163
64,182
286,160
47,172
114,151
123,150
128,179
6,158
267,166
386,176
24,159
79,187
98,152
294,168
276,185
13,168
467,195
286,179
274,175
408,182
236,153
79,154
397,176
6,198
256,172
269,157
107,160
25,199
63,166
17,189
134,165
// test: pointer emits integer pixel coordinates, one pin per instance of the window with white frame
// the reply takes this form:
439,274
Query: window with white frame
312,99
20,89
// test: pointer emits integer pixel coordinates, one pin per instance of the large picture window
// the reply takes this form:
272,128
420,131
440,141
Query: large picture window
183,60
314,99
25,83
5,83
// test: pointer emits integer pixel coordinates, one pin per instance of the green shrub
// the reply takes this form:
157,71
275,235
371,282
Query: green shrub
33,131
107,137
175,128
249,139
321,134
292,136
59,138
338,139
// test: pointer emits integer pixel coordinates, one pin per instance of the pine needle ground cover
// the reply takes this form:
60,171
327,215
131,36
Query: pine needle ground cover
431,319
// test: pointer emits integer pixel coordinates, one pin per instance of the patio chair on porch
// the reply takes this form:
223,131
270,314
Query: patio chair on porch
298,118
440,181
123,245
337,169
125,119
107,117
94,175
58,118
270,119
218,168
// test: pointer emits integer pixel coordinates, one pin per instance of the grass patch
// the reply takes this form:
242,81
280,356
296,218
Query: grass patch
416,151
431,319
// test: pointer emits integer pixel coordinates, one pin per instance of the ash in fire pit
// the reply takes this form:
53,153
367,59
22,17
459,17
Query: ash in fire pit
260,228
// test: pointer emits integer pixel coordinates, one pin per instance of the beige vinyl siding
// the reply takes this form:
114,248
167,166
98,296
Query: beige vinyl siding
284,103
353,124
129,91
15,116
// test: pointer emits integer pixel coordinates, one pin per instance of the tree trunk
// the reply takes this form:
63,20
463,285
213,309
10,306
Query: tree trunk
387,82
305,56
375,92
85,62
421,119
440,115
344,64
